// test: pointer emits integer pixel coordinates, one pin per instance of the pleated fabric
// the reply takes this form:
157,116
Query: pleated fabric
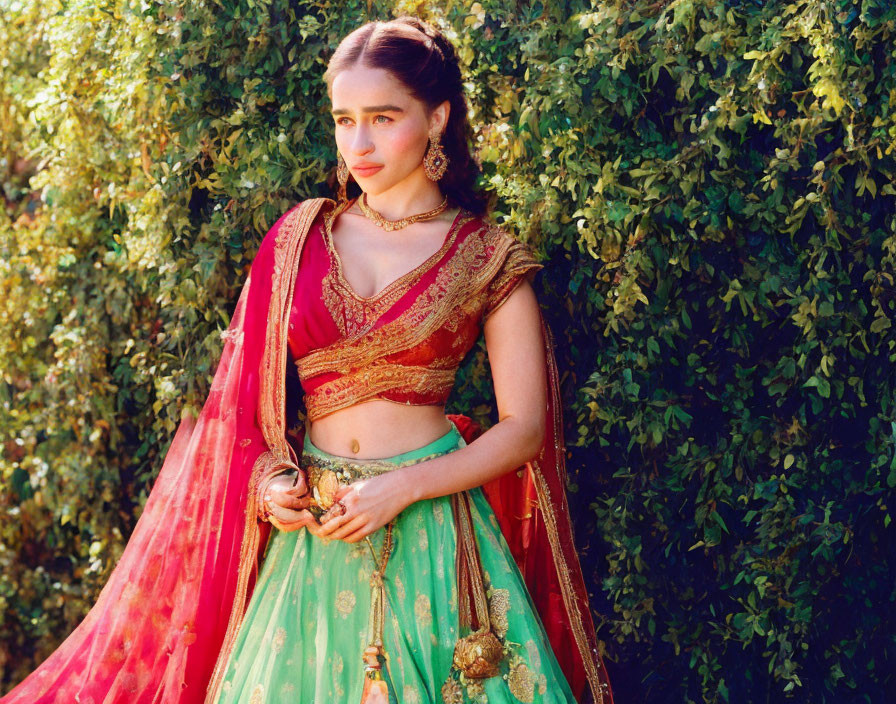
306,625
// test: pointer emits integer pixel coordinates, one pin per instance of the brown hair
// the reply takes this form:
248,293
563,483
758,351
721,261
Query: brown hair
424,60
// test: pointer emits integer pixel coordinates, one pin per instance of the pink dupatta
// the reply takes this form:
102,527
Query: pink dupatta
158,633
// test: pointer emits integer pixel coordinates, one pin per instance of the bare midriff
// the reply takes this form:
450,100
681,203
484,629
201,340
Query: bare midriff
377,428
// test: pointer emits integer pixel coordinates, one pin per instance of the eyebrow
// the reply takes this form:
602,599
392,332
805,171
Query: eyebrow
372,108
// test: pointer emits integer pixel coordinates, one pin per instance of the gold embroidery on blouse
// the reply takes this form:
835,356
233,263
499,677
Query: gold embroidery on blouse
464,276
355,315
367,382
520,260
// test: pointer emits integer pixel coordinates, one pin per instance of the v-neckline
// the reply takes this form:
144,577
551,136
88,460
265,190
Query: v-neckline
336,260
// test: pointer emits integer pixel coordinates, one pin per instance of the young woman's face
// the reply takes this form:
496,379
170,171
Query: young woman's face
376,121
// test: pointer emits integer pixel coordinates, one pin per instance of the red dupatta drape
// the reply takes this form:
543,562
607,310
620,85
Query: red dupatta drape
158,632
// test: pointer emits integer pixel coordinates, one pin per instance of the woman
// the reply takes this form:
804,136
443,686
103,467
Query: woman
388,552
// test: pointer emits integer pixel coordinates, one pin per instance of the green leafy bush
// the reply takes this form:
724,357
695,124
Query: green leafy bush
711,185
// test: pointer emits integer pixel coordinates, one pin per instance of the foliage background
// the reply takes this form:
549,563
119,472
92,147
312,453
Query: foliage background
711,184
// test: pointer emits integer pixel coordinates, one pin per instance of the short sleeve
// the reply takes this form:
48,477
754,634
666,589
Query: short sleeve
520,262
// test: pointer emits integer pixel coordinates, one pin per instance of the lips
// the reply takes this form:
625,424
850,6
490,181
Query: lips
367,170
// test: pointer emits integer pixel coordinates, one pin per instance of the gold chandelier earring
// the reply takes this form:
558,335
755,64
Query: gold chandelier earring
342,175
435,162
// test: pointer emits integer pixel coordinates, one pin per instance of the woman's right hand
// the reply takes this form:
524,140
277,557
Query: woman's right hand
288,505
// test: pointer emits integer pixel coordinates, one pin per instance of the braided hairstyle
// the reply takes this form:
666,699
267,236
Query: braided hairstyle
422,58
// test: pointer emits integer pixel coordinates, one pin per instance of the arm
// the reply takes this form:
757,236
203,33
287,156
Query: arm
515,353
516,356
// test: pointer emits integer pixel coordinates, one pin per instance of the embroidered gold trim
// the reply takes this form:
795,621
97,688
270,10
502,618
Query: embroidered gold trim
463,277
355,314
519,262
367,382
287,251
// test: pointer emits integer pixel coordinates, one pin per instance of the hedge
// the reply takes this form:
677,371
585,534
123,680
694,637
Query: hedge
711,187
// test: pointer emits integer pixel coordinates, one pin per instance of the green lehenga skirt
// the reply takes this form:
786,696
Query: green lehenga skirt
306,625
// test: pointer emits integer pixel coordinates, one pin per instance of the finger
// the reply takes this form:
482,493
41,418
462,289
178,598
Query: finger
346,490
349,527
358,535
287,491
312,524
287,515
285,497
331,521
295,503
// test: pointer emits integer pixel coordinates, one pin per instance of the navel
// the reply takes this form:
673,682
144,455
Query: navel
355,445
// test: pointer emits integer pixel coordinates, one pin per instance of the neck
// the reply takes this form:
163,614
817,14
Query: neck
415,194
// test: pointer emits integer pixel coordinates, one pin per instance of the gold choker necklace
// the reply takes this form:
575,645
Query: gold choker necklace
390,225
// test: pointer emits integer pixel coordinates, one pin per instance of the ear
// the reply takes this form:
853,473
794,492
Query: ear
439,118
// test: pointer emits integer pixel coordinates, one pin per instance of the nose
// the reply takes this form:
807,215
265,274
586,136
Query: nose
361,143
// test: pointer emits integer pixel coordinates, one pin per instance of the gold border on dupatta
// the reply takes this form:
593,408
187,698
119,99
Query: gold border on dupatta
272,414
591,660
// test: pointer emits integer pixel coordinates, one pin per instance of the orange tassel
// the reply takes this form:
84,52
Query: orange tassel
375,692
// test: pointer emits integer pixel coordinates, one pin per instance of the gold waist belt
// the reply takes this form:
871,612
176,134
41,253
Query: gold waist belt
326,474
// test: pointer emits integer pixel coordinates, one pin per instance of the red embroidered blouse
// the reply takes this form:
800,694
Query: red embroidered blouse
405,343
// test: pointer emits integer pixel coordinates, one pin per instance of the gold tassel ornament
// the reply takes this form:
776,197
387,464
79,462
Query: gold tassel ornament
377,689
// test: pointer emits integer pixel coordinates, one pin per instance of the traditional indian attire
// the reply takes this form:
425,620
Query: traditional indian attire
207,604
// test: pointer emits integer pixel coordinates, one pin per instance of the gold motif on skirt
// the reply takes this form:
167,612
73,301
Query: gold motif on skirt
423,609
498,606
522,682
287,690
279,639
257,695
452,692
399,588
411,695
533,654
345,602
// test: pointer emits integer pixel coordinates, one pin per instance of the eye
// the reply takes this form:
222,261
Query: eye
388,119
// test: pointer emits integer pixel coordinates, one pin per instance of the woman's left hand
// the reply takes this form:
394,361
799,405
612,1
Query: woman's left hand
369,505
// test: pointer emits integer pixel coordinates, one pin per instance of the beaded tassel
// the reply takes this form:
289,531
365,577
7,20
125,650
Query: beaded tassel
377,690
